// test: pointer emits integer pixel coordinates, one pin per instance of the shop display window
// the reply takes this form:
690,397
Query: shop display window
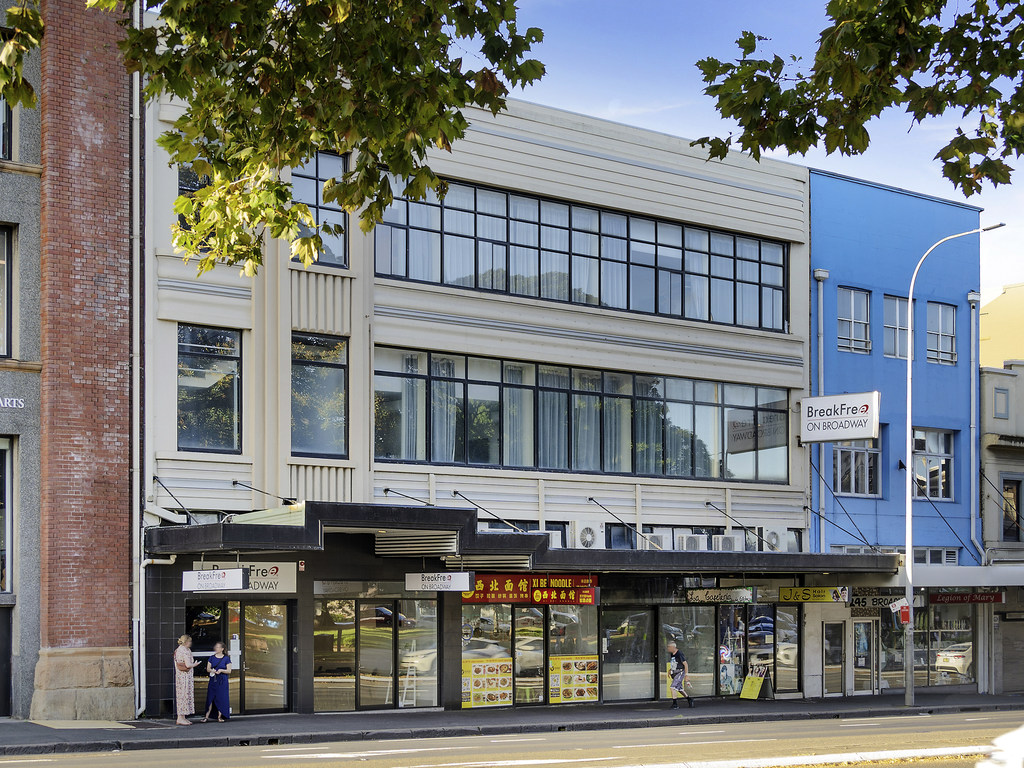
628,654
693,630
334,656
417,654
732,640
486,655
787,648
572,653
950,644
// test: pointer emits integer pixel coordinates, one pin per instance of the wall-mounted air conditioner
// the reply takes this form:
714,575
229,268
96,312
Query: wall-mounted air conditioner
585,536
692,542
729,542
655,541
555,541
775,539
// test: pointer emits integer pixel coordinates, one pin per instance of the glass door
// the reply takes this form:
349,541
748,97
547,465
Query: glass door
528,655
732,649
376,631
865,657
334,656
627,648
264,675
834,658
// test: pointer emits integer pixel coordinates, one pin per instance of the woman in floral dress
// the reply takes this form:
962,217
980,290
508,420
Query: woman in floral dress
184,681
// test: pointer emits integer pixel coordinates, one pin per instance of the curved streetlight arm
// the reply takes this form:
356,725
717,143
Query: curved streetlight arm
908,559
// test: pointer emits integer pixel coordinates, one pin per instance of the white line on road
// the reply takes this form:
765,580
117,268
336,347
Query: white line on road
374,753
859,725
827,760
975,719
694,733
686,743
513,763
27,760
508,741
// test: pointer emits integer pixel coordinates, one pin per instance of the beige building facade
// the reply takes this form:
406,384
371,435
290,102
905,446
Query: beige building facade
1001,320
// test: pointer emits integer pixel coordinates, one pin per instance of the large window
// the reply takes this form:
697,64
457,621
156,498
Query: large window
1011,510
6,254
6,131
855,467
852,313
308,187
319,395
941,333
209,389
933,464
6,523
453,409
493,240
895,327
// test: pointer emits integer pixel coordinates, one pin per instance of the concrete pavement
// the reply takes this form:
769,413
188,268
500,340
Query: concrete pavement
18,737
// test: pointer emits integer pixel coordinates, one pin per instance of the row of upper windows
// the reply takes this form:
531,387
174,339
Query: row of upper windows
853,317
453,409
857,466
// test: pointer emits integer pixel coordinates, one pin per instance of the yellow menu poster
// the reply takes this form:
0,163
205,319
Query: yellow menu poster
486,683
572,678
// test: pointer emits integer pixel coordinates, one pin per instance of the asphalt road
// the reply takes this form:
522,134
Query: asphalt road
746,745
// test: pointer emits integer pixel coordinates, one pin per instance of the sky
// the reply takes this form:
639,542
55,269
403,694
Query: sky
634,61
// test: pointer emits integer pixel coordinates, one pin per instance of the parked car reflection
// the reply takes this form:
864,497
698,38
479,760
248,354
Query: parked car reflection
957,658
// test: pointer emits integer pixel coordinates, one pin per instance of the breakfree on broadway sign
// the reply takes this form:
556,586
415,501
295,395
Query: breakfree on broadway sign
839,417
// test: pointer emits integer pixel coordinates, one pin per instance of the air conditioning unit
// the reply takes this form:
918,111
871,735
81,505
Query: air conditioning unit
775,539
728,543
692,542
655,541
555,541
586,536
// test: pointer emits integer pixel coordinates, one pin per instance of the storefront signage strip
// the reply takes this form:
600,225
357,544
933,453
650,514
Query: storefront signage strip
449,581
214,580
538,590
957,598
814,594
720,595
264,577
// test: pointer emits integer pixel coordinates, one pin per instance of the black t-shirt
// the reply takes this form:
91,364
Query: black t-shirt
676,661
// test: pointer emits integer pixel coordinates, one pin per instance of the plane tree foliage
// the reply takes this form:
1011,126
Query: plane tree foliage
264,84
929,58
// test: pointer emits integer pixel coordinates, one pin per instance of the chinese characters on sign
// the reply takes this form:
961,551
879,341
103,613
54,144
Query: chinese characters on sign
538,590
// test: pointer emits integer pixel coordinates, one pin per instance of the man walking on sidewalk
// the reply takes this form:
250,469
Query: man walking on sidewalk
679,674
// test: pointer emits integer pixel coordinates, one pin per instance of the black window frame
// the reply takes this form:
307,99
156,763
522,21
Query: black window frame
6,129
240,400
344,367
1011,512
7,308
646,246
716,396
311,172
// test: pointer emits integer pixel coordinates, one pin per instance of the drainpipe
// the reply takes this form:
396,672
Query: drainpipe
140,632
820,276
974,298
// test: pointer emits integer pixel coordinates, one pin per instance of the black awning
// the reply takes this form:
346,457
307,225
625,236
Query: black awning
320,518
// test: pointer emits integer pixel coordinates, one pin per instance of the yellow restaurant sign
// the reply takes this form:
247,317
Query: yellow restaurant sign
814,594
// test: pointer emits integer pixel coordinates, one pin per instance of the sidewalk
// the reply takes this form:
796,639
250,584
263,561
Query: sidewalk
19,737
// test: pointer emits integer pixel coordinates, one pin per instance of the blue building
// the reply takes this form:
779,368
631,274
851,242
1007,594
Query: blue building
865,241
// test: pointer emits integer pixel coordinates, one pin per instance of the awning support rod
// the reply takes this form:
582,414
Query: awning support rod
860,538
184,509
285,499
513,526
633,528
406,496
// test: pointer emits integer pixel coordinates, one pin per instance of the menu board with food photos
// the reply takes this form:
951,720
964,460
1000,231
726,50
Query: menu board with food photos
486,683
572,678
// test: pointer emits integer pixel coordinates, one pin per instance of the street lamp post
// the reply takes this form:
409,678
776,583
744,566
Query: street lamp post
908,637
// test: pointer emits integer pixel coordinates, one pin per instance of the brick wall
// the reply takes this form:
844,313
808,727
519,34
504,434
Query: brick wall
86,332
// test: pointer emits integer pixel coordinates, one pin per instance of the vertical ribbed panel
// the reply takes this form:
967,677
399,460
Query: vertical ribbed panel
320,302
313,483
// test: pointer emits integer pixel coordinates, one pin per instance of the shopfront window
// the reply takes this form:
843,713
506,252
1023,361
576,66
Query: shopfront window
732,643
628,640
417,653
951,644
5,516
692,628
787,648
334,655
572,653
486,655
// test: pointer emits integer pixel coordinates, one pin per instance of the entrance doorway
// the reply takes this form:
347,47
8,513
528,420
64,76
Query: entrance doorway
865,656
834,658
627,651
257,636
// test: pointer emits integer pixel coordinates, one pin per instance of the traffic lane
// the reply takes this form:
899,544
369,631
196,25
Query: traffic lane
674,743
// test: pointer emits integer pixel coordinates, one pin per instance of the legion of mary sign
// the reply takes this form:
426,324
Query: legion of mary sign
839,417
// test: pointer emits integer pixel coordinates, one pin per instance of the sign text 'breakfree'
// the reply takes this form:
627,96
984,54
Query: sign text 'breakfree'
839,417
264,577
563,589
214,580
448,581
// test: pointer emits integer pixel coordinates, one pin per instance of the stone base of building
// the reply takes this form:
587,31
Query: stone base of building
84,684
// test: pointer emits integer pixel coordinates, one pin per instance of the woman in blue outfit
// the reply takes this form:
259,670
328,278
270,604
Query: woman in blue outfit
217,696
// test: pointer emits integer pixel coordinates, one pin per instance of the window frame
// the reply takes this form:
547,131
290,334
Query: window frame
318,206
866,448
647,255
846,300
705,400
239,396
935,353
6,129
6,514
344,367
1016,481
7,285
924,492
1000,410
898,332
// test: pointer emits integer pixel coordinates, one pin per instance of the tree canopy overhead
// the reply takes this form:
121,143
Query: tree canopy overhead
267,83
927,57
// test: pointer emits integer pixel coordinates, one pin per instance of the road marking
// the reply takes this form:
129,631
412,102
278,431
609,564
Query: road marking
824,760
508,741
975,719
374,753
513,763
694,733
27,760
686,743
859,725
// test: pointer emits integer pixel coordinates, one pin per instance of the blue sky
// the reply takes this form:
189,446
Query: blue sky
633,62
